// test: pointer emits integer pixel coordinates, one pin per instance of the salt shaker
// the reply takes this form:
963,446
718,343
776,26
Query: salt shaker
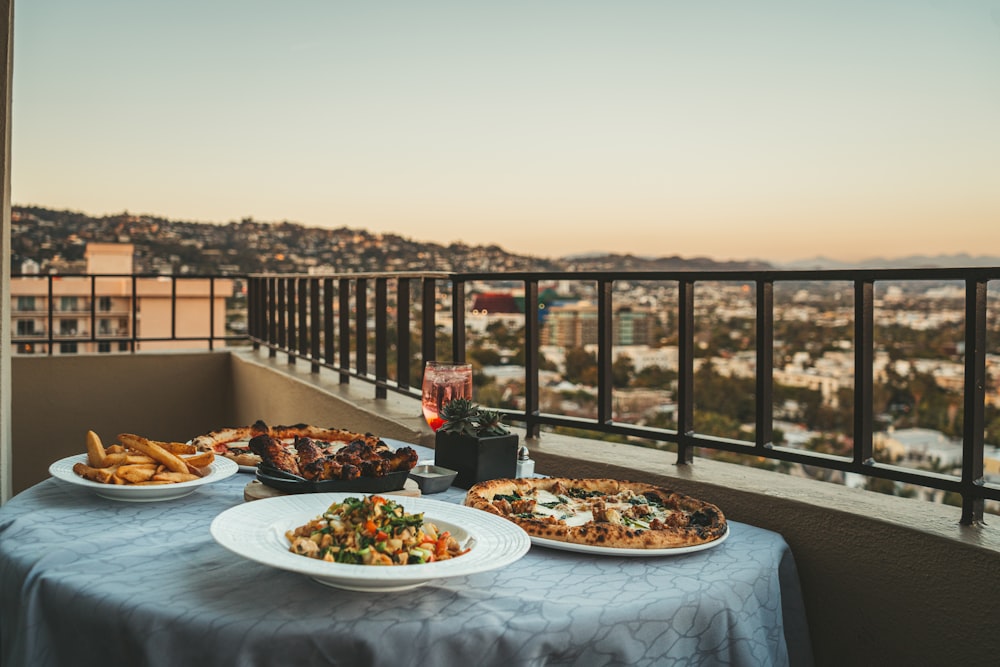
525,466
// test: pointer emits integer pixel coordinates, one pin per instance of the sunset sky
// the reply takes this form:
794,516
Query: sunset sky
762,129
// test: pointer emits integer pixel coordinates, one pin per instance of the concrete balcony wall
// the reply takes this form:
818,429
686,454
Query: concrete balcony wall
56,400
887,581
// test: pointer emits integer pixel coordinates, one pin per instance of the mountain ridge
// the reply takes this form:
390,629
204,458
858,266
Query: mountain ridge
56,240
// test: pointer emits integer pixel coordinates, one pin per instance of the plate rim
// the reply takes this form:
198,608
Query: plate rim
61,469
237,526
597,550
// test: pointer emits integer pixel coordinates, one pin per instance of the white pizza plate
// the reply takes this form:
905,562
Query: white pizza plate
613,551
256,531
62,469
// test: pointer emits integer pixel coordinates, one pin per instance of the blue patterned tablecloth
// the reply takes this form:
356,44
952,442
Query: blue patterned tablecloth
89,581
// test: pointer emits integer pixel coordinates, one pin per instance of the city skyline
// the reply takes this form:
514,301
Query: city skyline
773,132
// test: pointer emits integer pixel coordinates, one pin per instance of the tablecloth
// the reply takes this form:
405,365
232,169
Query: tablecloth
90,581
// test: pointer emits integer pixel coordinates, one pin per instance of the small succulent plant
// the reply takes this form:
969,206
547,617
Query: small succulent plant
465,417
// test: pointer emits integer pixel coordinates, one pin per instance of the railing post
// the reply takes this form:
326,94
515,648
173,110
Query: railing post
685,371
344,294
135,314
211,313
975,395
51,319
381,337
93,312
531,357
864,381
293,341
314,324
605,345
765,364
301,306
328,321
361,326
273,308
403,333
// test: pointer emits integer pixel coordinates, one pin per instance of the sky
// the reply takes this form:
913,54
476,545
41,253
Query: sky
743,129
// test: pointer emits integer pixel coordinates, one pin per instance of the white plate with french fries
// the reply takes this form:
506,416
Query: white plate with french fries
137,469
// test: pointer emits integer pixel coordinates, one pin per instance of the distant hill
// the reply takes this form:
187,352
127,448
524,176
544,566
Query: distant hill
56,240
962,260
601,261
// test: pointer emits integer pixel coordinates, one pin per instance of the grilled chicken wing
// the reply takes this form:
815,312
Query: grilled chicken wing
274,454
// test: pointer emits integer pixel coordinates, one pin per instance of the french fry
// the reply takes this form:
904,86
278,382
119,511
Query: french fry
114,449
102,475
140,472
199,460
138,459
114,459
178,447
174,477
95,450
173,462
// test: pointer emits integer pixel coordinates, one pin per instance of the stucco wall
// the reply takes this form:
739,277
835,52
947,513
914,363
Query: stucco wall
56,400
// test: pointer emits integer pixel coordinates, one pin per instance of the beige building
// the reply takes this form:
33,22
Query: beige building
576,325
110,309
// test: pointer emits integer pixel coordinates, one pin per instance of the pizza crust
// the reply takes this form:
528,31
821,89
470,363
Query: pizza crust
596,520
220,441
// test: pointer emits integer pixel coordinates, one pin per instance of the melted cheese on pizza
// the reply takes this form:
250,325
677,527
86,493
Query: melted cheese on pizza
573,510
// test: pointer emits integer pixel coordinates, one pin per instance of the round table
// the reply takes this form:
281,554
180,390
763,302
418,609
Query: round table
90,581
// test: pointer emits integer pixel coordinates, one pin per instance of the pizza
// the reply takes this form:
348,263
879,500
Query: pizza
233,443
601,512
277,443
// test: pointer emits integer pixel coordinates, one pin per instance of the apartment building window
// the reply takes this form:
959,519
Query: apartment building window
104,346
67,327
26,303
67,348
104,327
25,327
67,303
104,304
123,346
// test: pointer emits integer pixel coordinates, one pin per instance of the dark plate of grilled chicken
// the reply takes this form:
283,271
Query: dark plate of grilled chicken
311,466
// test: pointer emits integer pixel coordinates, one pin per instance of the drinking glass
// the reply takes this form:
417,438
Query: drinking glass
444,382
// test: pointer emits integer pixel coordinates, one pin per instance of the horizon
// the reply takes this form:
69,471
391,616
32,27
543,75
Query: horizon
735,133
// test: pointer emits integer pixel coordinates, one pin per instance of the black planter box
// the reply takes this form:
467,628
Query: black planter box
476,459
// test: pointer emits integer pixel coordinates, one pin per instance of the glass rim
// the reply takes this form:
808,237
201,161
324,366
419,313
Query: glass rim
447,364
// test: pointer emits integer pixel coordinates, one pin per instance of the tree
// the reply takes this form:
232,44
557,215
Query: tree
654,377
581,366
622,370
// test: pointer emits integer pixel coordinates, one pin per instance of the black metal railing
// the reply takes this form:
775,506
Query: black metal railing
128,296
325,321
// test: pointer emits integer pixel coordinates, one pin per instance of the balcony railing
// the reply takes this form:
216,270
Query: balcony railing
361,326
131,289
355,326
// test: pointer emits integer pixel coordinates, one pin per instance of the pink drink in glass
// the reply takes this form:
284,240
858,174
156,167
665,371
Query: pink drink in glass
444,382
